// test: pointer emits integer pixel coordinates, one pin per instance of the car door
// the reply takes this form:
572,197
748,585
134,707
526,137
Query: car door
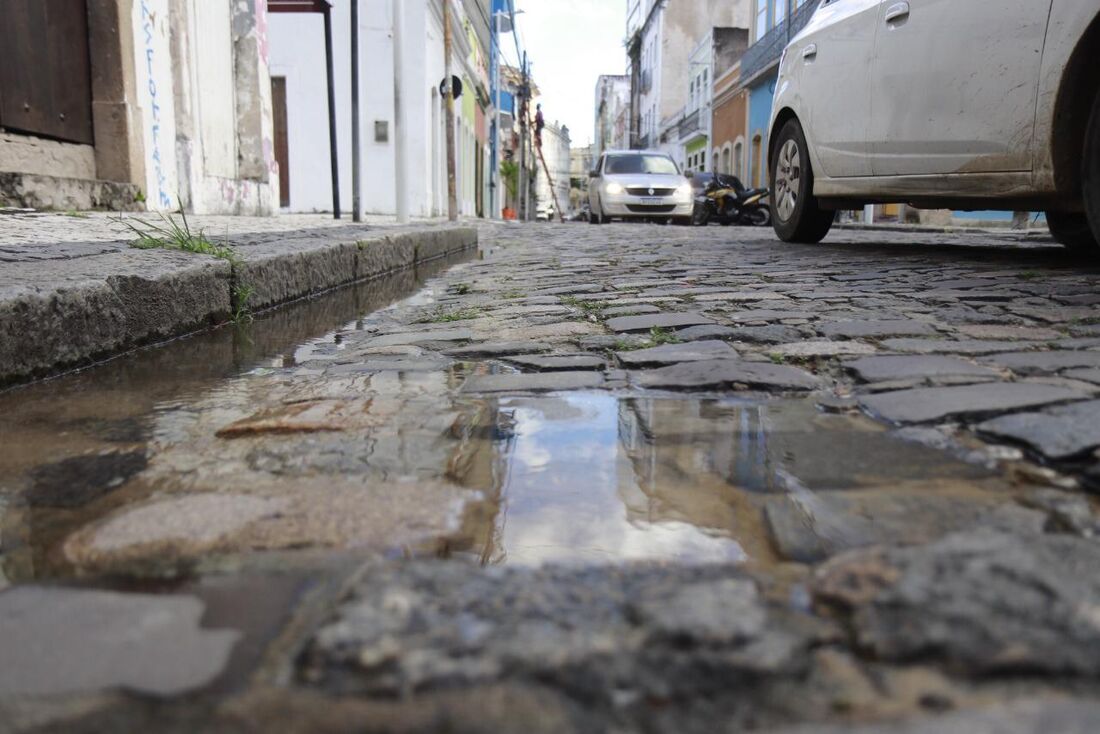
953,85
594,185
834,59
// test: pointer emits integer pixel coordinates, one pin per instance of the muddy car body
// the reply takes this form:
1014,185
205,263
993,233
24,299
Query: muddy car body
940,104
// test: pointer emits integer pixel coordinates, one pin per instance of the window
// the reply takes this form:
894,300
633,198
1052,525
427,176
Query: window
761,18
639,163
780,11
738,160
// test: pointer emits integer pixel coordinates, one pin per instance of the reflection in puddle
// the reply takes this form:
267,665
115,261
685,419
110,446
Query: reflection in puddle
597,477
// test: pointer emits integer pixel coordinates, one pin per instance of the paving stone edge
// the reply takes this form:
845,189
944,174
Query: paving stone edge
51,327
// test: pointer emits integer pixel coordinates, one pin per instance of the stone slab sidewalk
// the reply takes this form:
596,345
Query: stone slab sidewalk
73,290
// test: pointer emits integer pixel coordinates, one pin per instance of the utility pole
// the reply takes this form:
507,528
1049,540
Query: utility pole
356,214
523,176
400,126
449,113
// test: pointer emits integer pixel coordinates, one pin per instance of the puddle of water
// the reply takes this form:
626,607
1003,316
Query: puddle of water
598,477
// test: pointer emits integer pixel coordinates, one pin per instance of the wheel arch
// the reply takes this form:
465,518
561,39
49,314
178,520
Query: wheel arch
781,118
1077,92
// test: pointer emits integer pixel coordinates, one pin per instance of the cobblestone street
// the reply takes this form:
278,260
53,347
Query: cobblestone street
617,478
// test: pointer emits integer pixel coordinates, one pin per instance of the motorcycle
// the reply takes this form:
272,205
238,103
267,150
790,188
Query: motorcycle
725,200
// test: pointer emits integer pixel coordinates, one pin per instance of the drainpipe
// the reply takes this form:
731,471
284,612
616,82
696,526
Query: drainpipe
400,128
356,214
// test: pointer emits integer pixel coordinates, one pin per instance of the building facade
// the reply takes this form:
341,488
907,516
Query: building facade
612,124
298,63
774,23
137,104
556,153
729,122
662,36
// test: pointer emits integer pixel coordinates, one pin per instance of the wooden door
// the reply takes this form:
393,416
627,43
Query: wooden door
282,147
45,80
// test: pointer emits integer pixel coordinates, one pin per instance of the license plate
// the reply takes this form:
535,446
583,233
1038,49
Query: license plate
652,200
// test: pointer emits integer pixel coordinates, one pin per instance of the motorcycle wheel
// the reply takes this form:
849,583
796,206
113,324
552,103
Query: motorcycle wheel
700,217
761,218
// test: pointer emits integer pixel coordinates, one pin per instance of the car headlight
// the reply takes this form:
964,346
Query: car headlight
614,188
684,189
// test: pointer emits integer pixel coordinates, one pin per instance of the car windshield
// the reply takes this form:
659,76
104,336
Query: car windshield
639,163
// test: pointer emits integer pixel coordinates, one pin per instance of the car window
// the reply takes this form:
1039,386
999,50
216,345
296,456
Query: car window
639,163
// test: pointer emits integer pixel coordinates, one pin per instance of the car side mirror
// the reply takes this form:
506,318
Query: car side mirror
687,174
593,174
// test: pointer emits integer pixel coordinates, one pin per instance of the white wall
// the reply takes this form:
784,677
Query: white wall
297,52
153,63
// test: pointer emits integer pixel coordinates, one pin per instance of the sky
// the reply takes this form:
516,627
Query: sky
569,43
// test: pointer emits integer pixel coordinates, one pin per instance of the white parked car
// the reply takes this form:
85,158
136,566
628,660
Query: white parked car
638,184
958,104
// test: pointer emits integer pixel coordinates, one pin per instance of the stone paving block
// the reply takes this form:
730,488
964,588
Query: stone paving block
420,337
742,317
559,363
770,334
1004,332
1058,433
674,353
726,373
1026,716
533,382
1036,363
937,403
873,369
982,602
637,310
808,528
823,349
954,346
864,329
657,321
497,349
1091,374
57,641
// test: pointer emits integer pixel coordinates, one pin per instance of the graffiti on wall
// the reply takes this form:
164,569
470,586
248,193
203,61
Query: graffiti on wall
155,95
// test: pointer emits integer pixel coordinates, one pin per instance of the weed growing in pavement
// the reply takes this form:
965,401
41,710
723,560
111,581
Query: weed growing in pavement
75,214
591,308
512,294
1087,321
777,358
659,336
171,235
1027,275
442,316
242,314
462,288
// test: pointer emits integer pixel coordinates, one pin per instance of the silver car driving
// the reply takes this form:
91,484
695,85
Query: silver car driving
638,184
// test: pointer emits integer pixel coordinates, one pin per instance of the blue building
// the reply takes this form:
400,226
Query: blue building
774,23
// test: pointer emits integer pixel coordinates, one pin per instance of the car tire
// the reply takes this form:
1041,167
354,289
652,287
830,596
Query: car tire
1072,230
796,216
1090,174
595,216
683,221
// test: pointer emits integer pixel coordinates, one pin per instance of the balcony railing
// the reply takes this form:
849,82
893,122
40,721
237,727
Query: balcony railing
689,124
767,50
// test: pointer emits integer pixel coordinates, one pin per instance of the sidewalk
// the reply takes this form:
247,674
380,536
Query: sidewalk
73,290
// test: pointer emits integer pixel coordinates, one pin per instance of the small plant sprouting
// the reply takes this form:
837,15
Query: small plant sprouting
242,314
462,289
589,307
441,316
1027,275
659,336
171,235
512,294
777,358
75,214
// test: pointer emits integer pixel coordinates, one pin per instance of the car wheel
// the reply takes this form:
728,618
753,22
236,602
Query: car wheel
595,216
796,216
1090,174
1072,230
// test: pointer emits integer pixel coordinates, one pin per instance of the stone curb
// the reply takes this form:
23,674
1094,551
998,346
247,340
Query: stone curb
84,313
